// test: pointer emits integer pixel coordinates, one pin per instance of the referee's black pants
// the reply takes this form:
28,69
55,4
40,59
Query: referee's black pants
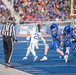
7,43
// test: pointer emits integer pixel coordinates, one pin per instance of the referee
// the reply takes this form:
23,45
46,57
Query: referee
8,33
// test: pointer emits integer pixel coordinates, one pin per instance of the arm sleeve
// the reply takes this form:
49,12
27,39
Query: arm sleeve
14,33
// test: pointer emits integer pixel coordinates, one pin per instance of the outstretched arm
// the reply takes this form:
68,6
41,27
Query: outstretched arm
43,40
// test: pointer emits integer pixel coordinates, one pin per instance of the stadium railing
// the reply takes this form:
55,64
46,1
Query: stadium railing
23,29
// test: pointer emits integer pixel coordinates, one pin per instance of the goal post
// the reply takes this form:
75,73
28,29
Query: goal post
72,13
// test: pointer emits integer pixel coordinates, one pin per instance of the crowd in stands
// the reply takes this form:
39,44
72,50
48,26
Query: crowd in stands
44,10
39,10
4,13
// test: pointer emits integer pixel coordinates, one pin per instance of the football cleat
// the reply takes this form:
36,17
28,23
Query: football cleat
35,58
44,58
25,58
66,58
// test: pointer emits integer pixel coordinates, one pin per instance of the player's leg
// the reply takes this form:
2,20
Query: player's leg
33,51
57,48
45,53
27,53
68,47
72,48
67,50
37,47
46,50
62,54
47,47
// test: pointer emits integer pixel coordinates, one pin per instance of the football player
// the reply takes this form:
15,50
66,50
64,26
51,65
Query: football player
73,45
34,36
57,41
67,38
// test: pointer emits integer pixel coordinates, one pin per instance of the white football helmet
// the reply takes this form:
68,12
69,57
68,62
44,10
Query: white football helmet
35,29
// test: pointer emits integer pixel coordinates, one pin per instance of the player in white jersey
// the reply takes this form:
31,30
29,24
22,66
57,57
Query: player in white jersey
35,36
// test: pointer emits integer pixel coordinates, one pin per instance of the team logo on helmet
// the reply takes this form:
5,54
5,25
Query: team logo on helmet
67,29
53,27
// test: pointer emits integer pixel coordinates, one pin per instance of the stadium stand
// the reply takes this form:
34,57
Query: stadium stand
4,13
42,10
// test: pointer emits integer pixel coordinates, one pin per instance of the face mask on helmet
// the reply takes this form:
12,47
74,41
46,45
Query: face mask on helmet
34,29
67,29
54,27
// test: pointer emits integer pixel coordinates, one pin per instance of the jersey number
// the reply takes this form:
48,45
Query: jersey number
36,36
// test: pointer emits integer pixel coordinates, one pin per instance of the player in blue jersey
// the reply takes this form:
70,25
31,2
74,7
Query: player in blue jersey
73,45
57,41
67,38
34,36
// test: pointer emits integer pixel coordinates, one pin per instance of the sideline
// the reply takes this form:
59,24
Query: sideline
11,71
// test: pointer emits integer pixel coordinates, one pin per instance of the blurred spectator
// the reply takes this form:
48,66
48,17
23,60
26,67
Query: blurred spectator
4,13
44,10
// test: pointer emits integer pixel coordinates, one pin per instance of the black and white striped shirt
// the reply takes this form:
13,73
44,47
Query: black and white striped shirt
8,30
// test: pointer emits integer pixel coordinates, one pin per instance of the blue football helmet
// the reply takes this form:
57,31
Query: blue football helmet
67,29
54,26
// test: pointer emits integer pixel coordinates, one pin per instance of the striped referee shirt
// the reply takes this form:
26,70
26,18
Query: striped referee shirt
8,30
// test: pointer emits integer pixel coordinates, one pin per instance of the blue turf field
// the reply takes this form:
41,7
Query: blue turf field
54,65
